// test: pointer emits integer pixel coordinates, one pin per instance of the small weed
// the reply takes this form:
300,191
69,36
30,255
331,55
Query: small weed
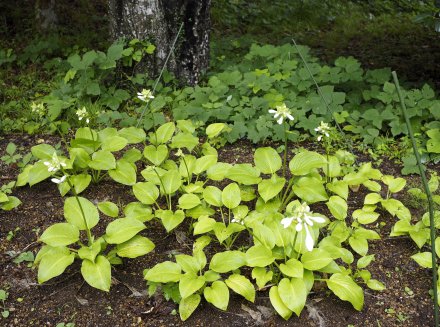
3,297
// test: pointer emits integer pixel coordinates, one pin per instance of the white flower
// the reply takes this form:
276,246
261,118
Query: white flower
55,164
237,220
179,153
323,129
145,95
58,181
281,113
38,108
304,219
83,114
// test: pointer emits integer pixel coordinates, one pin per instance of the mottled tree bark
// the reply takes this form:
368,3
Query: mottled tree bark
159,21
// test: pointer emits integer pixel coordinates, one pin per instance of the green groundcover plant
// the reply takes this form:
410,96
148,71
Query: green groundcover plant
282,226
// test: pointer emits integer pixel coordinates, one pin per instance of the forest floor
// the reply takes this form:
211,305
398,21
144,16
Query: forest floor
404,302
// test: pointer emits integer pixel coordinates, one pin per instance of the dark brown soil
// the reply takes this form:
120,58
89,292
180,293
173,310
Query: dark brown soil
405,302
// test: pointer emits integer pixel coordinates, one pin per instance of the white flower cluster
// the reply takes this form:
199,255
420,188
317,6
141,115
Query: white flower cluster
323,130
304,220
83,114
145,95
38,108
55,164
281,113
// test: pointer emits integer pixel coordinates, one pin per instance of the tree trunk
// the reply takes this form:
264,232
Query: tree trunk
159,21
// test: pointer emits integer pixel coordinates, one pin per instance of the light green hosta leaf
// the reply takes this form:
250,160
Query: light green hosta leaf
90,252
125,173
38,173
3,197
334,167
133,135
60,234
188,305
54,262
86,133
224,262
156,155
259,256
217,295
163,134
231,196
122,229
108,208
222,232
338,207
97,274
359,245
132,155
139,211
267,160
204,163
293,293
262,276
347,290
241,285
316,259
218,171
184,140
73,213
372,186
146,192
375,285
204,225
107,134
80,158
189,201
310,189
365,217
339,188
187,165
244,174
292,268
114,143
278,303
164,272
80,182
306,161
214,130
365,261
12,203
135,247
43,151
171,182
190,283
372,198
423,259
213,196
23,177
270,188
169,219
102,160
188,263
394,184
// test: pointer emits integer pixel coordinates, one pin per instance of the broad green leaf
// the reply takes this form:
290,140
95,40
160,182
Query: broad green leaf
135,247
259,256
270,188
90,252
262,276
102,160
365,261
241,285
146,192
12,203
310,189
189,201
264,235
43,151
122,229
79,157
316,259
60,234
125,173
306,161
339,188
188,263
108,208
74,209
267,160
170,219
224,262
231,196
394,184
213,196
38,173
375,285
156,155
139,211
218,171
132,155
347,290
190,283
80,182
424,259
293,293
204,225
163,134
359,245
188,305
292,268
338,207
365,217
184,140
217,295
244,174
97,274
164,272
114,143
214,130
54,262
372,198
133,135
171,182
204,163
278,304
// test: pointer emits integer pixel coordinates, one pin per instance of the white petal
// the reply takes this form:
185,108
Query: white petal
309,240
317,219
290,116
299,227
280,120
271,111
277,114
319,138
286,222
